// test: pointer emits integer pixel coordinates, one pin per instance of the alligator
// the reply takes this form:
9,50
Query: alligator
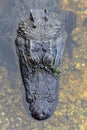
40,44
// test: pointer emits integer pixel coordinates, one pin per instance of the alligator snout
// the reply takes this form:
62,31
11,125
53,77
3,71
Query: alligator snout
41,110
40,116
42,97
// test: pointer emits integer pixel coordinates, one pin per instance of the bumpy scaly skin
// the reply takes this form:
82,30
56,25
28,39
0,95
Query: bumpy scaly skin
40,44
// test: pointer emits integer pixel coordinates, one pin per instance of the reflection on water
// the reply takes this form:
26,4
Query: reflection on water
71,112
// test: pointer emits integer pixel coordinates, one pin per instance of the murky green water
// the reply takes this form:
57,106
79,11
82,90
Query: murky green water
71,111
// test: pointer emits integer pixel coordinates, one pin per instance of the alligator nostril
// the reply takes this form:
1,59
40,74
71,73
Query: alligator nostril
40,116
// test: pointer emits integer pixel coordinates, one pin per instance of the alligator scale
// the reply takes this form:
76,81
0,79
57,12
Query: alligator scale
40,45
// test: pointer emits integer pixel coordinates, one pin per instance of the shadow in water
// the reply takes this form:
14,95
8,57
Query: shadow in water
85,22
7,56
70,24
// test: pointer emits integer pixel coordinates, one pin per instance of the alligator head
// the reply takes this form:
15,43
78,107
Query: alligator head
40,45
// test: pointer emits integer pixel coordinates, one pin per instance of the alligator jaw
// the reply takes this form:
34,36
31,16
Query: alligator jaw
42,96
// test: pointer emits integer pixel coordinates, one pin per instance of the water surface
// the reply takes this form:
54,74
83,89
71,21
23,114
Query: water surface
71,111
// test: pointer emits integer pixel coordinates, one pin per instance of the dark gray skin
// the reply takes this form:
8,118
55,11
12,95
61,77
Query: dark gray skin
12,11
40,44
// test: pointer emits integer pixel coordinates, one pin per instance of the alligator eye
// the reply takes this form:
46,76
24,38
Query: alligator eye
48,59
19,41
